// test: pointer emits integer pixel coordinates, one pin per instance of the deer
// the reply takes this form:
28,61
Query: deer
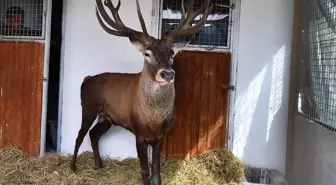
142,103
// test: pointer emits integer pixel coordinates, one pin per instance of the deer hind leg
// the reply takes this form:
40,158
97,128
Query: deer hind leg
87,121
142,147
95,134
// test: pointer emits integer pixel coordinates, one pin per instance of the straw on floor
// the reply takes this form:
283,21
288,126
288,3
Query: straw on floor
216,167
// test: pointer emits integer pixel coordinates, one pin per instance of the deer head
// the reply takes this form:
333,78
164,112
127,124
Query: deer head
158,53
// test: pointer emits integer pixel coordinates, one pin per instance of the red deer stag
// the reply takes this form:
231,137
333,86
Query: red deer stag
142,103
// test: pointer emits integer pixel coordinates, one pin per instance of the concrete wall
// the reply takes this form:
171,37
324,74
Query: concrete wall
263,82
312,153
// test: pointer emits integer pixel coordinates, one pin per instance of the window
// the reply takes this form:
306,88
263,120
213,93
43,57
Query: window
22,19
216,32
317,93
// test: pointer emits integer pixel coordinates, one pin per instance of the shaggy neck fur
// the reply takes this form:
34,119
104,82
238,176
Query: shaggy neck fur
155,101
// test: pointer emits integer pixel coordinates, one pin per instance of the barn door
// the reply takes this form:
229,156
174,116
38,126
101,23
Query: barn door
21,94
22,51
201,103
202,78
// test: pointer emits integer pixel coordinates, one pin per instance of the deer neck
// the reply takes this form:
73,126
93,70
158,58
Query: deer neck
155,100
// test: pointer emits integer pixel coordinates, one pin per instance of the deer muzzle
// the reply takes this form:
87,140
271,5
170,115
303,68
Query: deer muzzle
165,76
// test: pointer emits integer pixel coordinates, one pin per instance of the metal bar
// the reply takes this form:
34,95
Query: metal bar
232,6
61,83
45,75
234,41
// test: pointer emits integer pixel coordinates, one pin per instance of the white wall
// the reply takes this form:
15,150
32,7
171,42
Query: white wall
261,104
88,50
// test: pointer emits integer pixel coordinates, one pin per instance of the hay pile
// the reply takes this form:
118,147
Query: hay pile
216,167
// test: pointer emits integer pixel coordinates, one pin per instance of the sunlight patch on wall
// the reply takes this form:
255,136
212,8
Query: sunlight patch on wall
245,108
276,87
299,102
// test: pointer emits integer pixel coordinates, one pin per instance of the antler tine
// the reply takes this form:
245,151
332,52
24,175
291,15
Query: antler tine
192,15
114,10
108,30
121,29
190,6
105,16
142,22
182,11
183,14
185,27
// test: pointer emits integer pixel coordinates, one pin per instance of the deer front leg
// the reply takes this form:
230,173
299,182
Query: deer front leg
142,146
156,177
169,123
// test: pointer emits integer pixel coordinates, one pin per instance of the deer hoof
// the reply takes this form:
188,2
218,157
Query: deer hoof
99,167
73,167
154,180
150,182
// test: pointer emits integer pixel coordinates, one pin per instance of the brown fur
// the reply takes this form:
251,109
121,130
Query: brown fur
133,101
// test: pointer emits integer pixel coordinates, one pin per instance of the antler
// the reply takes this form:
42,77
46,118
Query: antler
185,27
120,28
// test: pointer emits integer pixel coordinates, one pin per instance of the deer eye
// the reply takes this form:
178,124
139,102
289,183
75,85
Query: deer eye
147,55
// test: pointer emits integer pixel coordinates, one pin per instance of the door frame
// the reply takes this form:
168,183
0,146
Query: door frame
45,84
232,48
234,68
45,78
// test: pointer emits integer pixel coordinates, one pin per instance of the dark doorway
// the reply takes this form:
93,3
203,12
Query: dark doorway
54,75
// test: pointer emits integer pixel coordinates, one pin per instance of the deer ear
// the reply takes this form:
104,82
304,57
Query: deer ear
178,46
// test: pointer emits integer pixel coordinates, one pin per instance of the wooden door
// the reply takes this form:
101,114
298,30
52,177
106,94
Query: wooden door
21,98
201,103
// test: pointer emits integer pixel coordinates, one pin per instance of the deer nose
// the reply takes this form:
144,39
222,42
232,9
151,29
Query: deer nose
167,75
